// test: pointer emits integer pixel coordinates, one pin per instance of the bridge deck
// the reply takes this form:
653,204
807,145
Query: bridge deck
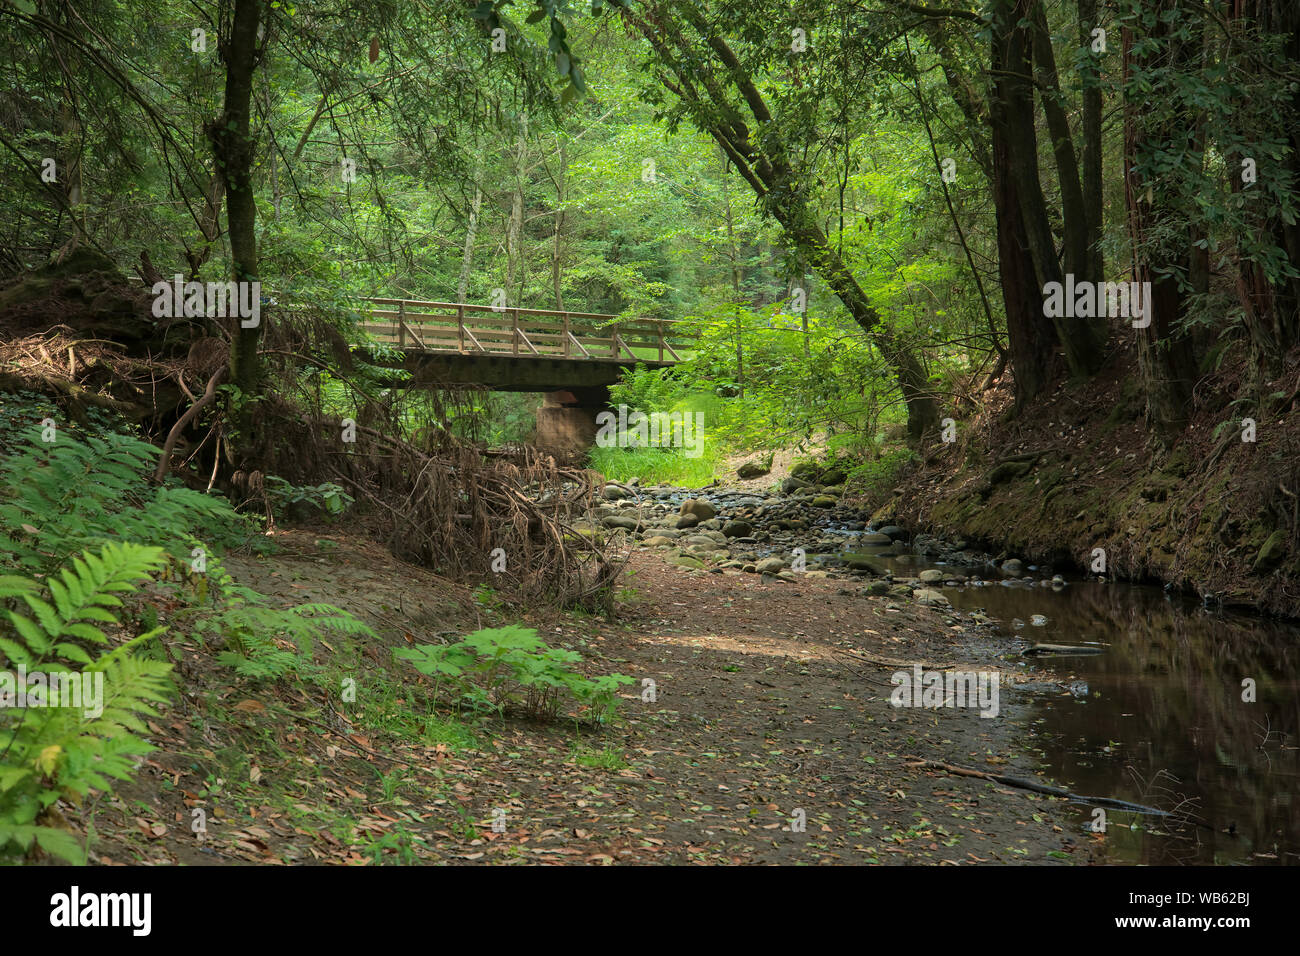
415,325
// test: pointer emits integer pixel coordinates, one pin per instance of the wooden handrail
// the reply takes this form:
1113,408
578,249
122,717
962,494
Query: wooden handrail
597,337
460,306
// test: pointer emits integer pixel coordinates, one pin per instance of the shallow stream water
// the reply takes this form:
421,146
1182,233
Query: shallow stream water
1158,718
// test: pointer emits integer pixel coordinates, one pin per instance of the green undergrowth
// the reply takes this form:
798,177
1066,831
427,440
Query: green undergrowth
653,466
502,667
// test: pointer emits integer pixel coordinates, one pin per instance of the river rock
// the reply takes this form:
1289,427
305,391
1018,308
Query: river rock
658,541
769,565
928,597
793,484
824,501
698,507
755,469
621,521
1038,620
737,529
684,561
833,475
875,537
1012,566
687,521
893,530
931,576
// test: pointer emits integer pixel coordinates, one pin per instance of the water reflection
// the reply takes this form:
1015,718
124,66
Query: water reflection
1159,717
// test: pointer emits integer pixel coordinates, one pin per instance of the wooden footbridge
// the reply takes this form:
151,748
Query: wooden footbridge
512,349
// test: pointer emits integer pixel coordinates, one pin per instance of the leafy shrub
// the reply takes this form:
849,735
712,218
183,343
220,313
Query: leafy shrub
882,473
300,500
79,491
78,494
52,751
501,665
266,642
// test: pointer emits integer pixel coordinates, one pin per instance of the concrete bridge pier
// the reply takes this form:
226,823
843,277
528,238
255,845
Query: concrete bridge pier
566,422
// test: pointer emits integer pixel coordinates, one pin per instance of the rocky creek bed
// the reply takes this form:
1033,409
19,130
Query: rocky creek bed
771,737
1135,693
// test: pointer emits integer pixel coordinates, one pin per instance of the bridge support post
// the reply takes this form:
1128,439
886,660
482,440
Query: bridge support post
566,422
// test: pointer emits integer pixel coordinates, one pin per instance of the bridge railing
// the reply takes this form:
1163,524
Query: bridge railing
470,329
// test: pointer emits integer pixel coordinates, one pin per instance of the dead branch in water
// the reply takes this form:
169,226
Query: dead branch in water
1034,786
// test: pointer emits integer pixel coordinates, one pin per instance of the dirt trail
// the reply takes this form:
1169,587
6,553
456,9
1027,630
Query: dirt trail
763,708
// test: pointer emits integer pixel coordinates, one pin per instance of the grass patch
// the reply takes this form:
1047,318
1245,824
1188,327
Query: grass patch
607,758
450,732
654,465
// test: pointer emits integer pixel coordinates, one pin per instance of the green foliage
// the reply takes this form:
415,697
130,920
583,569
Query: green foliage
51,751
655,465
263,642
326,497
61,497
881,473
501,665
607,758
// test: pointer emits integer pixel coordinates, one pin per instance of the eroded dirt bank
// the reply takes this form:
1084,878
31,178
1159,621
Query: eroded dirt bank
772,696
1213,512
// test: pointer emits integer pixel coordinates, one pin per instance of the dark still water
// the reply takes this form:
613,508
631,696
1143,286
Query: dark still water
1161,720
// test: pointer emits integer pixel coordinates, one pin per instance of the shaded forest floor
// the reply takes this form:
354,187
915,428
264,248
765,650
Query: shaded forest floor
1080,468
764,706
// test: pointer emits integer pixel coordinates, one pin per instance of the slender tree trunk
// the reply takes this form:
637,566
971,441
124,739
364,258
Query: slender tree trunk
273,153
734,255
1165,356
514,225
471,235
557,251
1078,336
233,151
1032,339
1075,219
1090,130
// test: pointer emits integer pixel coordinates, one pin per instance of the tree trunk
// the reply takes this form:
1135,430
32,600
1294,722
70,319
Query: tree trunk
1032,339
515,224
557,252
734,254
1090,131
471,234
1014,92
233,151
1165,356
1074,219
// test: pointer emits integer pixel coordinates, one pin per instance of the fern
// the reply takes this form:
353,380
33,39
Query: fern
49,751
77,492
256,635
500,665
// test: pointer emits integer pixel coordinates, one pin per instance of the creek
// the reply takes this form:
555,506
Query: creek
1158,717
